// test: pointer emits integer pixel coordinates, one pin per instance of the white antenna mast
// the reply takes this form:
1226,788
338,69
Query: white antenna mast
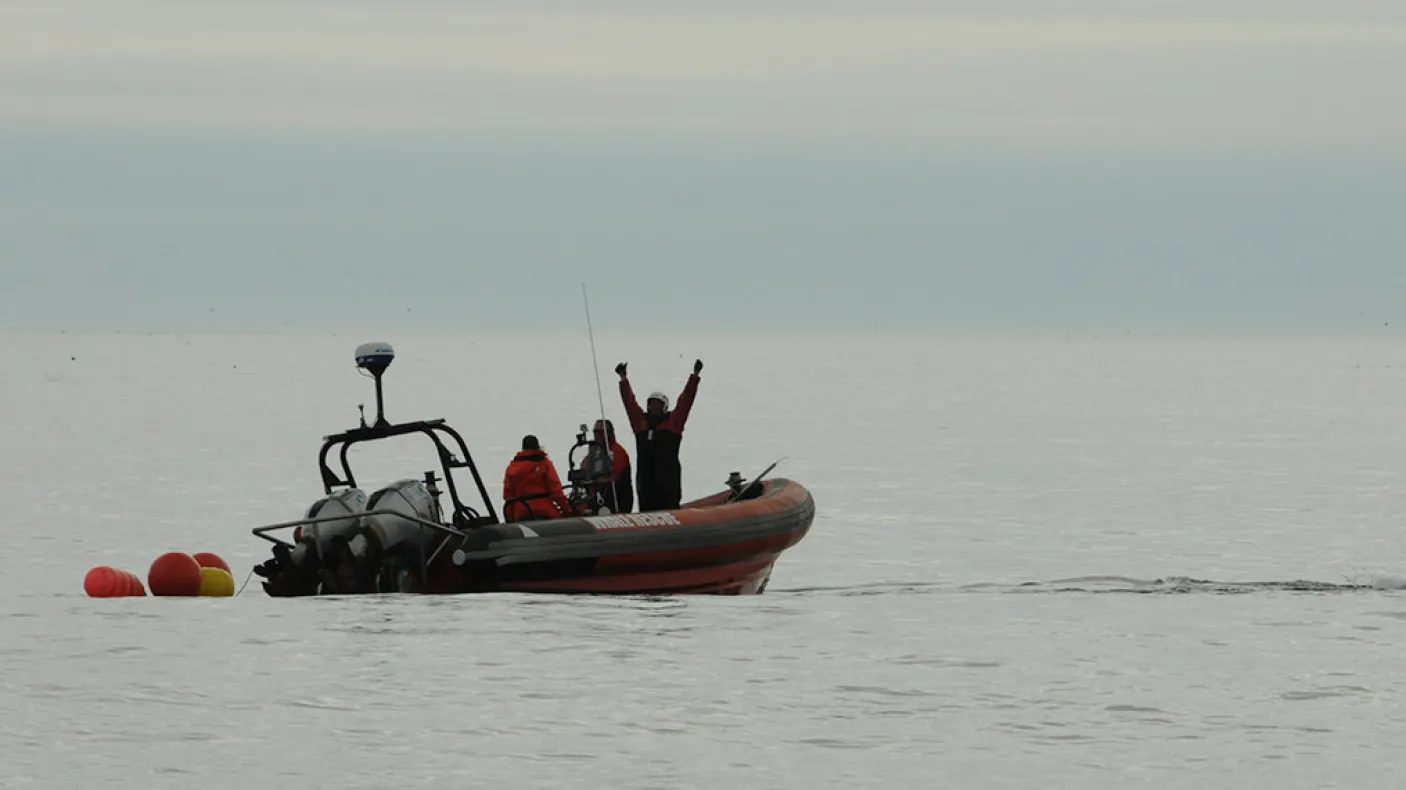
600,396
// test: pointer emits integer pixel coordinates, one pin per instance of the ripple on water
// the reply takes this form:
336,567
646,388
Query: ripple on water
882,691
320,704
835,743
945,663
1325,692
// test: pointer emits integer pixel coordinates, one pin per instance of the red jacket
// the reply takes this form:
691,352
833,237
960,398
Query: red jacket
532,474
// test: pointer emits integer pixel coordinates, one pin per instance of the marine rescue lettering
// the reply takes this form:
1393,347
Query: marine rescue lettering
628,520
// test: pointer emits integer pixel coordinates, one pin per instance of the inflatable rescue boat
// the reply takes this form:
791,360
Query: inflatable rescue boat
401,538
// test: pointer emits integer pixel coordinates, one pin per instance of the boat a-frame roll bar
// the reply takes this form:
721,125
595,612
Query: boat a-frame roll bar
375,358
464,516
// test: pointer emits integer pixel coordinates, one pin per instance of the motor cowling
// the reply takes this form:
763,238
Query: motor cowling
410,497
350,502
297,569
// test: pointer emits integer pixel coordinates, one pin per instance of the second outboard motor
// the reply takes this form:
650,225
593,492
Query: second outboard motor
409,496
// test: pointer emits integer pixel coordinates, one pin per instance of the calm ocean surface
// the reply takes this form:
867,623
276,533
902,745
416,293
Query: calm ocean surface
1068,562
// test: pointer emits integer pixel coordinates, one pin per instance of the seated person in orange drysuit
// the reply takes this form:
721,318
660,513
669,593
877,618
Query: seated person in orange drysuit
533,475
620,485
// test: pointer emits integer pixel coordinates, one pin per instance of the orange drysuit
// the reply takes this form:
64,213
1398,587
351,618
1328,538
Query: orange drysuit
532,474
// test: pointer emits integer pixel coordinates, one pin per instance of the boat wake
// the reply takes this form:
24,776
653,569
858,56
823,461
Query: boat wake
1126,585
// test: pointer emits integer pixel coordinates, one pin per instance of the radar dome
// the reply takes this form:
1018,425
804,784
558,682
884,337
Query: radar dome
374,357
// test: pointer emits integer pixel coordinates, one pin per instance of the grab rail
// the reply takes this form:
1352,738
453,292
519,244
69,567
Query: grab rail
259,531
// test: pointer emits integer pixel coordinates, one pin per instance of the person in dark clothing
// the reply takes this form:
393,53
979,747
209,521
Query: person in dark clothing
658,435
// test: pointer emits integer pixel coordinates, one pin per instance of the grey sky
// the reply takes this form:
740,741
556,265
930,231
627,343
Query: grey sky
1107,163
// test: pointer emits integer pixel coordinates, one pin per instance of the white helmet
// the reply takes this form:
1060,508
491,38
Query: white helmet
659,396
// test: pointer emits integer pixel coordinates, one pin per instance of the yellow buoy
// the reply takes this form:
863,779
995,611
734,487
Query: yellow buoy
216,583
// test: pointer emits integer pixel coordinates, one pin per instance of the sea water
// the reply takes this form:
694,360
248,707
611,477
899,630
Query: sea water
1061,561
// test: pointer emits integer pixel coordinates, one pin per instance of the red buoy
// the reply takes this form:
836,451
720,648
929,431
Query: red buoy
211,560
105,582
174,573
98,582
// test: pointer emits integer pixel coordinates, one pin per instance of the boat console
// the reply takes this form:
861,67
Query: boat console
598,472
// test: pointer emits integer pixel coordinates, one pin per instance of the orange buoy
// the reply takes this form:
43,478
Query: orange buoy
211,560
216,583
105,582
174,573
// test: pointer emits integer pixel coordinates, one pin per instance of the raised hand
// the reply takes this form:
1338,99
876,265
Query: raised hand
620,369
697,366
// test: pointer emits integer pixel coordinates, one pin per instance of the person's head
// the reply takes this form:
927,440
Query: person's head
657,406
529,442
604,431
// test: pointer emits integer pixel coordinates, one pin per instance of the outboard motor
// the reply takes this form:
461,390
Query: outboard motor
296,569
384,544
349,502
411,497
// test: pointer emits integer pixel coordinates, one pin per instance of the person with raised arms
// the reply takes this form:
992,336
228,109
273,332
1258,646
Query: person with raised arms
658,436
